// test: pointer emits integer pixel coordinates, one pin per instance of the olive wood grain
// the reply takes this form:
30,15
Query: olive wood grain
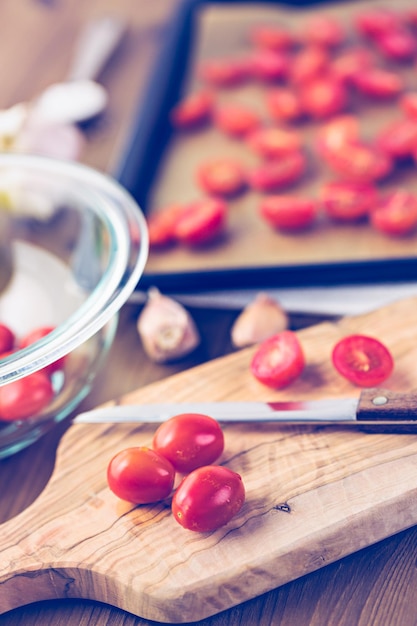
314,495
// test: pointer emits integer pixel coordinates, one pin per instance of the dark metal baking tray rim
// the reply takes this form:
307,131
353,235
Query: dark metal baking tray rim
141,156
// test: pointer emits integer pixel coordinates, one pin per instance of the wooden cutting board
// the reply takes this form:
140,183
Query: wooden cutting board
314,495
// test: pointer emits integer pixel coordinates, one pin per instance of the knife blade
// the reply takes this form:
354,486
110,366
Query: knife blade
372,407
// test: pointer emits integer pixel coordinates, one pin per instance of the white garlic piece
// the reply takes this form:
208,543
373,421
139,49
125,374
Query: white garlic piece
166,329
259,320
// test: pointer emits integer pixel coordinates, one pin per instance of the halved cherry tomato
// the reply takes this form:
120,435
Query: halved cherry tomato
140,475
201,221
362,360
26,397
224,72
379,83
208,498
324,30
36,335
310,62
278,173
189,440
375,22
348,201
272,37
323,97
268,65
408,103
273,142
399,138
193,111
161,225
288,212
222,177
396,213
7,338
279,360
398,45
346,65
283,104
236,120
360,162
334,135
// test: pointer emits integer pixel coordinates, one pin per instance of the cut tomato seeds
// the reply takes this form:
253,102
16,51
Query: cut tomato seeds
362,360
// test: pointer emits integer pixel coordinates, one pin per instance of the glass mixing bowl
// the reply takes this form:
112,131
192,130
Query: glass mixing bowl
73,246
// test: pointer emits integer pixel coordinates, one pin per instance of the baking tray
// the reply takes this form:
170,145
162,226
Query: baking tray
156,168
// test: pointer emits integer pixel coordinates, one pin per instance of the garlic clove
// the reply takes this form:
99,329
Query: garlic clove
259,320
166,329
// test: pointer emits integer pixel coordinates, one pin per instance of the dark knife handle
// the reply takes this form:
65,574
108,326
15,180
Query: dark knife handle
381,405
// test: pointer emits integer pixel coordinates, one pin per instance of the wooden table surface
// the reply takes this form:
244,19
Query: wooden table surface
372,587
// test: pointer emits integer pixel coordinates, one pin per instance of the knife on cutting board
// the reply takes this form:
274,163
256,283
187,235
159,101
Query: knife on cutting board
373,406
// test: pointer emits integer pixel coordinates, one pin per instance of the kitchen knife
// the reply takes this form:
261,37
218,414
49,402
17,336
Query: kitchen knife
373,407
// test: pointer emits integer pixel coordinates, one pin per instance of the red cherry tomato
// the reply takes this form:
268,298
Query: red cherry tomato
268,65
272,37
36,335
396,213
189,440
25,397
236,120
140,475
310,62
224,72
161,225
7,339
348,201
272,142
362,360
208,498
324,30
408,104
278,173
360,162
398,45
279,360
193,111
201,221
323,97
288,212
379,83
283,104
222,177
337,133
375,22
348,64
399,138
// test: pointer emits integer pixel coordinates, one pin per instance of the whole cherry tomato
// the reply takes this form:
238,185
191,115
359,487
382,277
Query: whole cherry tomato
25,397
140,475
396,213
399,138
362,360
279,360
236,120
278,173
272,142
283,104
208,498
323,97
348,201
288,212
7,339
193,110
36,335
221,177
379,83
201,221
189,440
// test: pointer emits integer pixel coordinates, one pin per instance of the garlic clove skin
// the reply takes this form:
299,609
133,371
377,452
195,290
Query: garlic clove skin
259,320
166,329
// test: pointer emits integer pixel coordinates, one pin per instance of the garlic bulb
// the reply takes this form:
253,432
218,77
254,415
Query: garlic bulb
260,319
166,329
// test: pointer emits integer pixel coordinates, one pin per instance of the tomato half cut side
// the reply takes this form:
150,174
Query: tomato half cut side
289,213
396,213
224,72
208,498
348,201
140,475
283,104
201,221
273,142
189,440
399,138
278,173
222,177
323,97
363,360
279,360
193,110
236,120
